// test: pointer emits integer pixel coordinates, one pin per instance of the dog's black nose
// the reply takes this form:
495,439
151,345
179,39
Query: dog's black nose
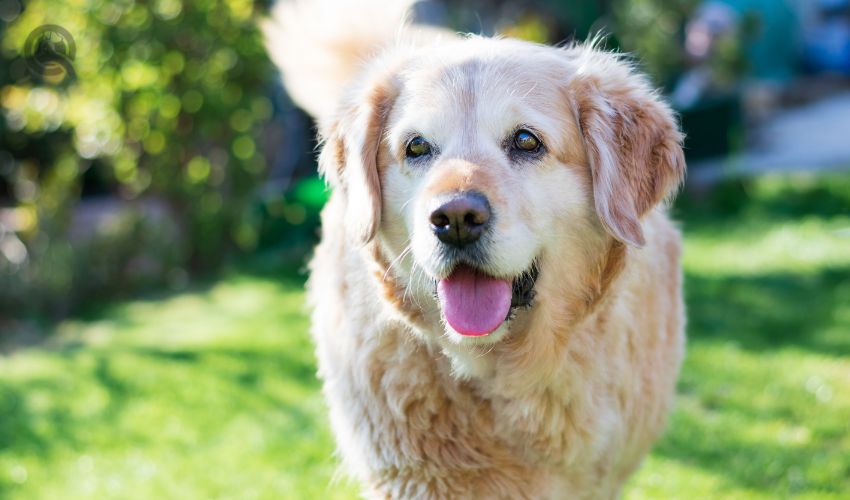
460,218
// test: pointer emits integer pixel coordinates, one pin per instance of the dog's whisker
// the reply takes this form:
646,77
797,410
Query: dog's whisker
404,205
422,275
417,273
407,249
407,286
483,353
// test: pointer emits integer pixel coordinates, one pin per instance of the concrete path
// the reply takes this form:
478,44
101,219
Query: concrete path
807,138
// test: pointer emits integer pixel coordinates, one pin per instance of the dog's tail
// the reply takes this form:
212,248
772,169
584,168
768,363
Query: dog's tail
320,45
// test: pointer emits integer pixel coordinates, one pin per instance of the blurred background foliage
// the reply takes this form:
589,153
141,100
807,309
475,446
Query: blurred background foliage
163,127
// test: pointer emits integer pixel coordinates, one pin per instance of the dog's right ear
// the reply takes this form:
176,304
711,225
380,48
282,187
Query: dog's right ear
349,157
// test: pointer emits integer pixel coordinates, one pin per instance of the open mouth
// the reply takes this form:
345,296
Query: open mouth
476,304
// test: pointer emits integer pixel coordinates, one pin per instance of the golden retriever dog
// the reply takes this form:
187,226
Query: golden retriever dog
497,305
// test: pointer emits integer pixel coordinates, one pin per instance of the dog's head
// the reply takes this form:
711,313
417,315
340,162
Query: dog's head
482,167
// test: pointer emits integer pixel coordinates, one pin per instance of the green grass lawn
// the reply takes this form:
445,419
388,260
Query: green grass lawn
211,393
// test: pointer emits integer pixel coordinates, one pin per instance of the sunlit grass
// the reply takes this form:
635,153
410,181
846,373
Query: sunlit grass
807,245
211,393
764,406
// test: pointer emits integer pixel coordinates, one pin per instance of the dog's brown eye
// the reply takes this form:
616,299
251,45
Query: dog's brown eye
417,147
526,141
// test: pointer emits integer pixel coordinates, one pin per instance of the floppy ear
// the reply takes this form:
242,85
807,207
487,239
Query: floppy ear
632,140
349,157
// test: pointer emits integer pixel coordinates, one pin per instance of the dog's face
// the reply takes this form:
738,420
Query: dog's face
485,166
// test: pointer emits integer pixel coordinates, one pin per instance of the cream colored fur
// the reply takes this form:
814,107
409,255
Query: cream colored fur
565,398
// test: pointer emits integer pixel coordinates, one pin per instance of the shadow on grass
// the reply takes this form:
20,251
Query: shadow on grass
22,428
779,197
284,270
744,414
706,440
28,431
771,311
251,361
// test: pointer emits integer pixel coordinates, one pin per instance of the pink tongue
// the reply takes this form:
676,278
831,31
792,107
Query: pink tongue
473,303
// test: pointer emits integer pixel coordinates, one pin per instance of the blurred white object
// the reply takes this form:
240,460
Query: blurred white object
711,21
11,247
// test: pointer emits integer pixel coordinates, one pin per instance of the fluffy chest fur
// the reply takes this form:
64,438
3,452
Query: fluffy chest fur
567,407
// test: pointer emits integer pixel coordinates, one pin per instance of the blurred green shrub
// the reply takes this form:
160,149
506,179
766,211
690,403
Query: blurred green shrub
168,103
294,217
653,31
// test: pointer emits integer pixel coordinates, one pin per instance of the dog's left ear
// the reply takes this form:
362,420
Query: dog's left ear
349,157
632,140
